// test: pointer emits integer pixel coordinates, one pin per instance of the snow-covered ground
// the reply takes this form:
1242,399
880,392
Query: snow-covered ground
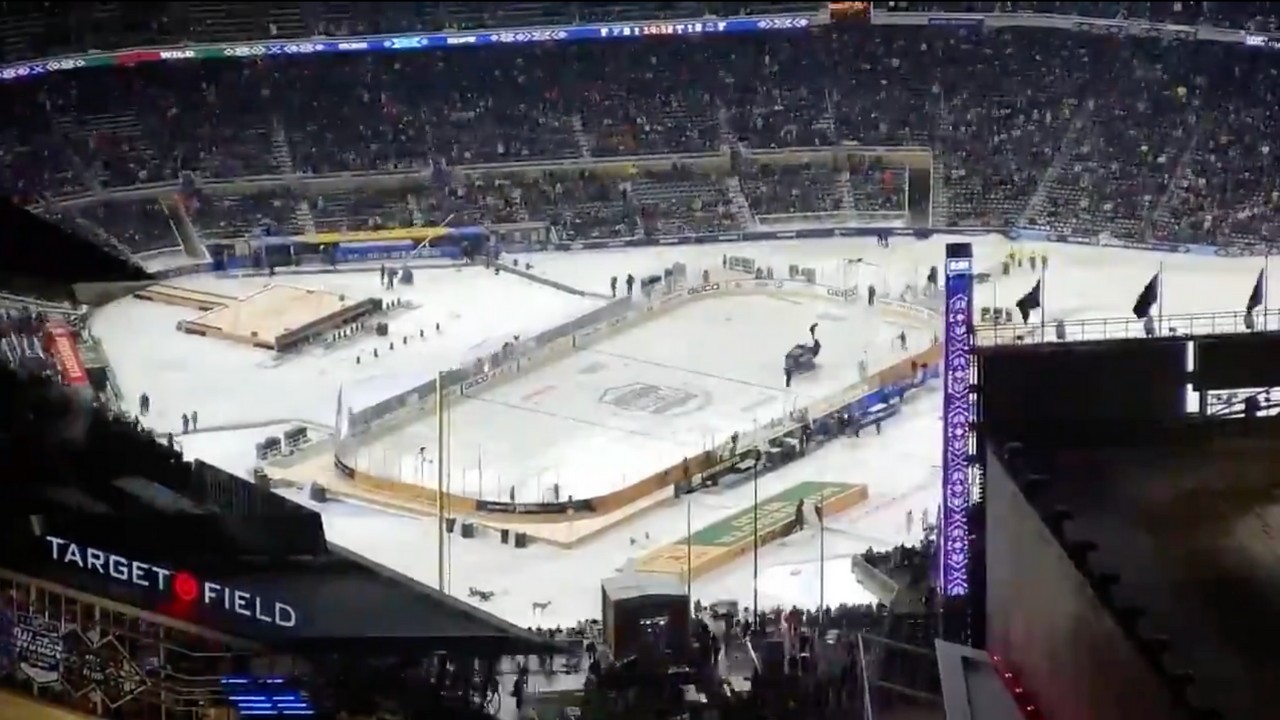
228,383
231,384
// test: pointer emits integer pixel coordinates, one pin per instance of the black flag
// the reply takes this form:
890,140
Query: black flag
1255,297
1029,302
1147,299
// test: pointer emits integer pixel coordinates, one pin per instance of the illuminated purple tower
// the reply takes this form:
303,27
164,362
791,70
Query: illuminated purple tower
957,419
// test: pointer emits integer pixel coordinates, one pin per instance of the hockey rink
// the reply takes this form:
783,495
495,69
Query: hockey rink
616,413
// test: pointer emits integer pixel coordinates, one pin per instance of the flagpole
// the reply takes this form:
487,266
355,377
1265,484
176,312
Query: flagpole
822,563
688,550
1044,307
755,541
440,481
1160,300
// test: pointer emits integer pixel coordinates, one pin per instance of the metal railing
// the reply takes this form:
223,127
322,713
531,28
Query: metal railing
1116,328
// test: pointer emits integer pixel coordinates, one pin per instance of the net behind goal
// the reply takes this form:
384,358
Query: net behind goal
859,274
835,219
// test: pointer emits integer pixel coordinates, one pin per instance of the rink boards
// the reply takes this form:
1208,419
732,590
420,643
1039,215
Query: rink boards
590,515
724,541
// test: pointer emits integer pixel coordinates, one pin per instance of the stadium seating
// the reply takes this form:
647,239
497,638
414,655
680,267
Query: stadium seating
794,189
22,342
225,217
140,225
1050,135
1244,15
369,210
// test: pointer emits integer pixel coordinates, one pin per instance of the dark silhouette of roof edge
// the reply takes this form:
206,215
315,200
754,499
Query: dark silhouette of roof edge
519,639
50,259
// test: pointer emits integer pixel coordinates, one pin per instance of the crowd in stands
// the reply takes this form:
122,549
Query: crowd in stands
1049,135
22,342
1253,16
814,658
824,658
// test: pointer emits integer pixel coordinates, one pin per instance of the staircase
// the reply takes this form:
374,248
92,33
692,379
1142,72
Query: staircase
738,202
580,132
940,206
415,209
302,214
1069,143
1161,211
827,123
728,138
845,191
280,152
283,158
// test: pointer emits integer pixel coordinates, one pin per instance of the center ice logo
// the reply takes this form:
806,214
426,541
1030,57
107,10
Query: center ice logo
654,399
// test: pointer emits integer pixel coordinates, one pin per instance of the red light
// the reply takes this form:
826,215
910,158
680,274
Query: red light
186,587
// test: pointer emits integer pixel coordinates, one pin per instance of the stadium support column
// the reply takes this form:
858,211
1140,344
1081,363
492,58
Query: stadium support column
957,414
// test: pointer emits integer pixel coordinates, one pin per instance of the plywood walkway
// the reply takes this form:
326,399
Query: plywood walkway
722,542
184,297
565,534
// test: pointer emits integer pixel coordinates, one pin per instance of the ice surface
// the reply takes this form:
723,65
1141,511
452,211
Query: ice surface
635,404
228,383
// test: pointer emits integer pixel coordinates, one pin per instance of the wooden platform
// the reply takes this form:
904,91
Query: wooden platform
720,543
184,297
273,318
566,534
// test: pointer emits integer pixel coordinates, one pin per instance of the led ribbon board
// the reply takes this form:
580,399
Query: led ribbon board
183,586
422,41
957,414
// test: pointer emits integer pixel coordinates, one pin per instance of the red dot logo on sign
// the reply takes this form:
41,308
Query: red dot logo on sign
185,586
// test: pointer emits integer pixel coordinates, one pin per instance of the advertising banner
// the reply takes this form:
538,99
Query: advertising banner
413,235
552,508
66,353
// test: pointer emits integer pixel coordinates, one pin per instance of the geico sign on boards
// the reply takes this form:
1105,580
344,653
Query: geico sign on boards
701,289
183,585
476,382
841,294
